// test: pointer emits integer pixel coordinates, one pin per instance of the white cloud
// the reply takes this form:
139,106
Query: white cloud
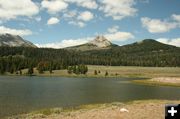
65,43
157,26
70,14
113,29
38,18
118,9
89,4
54,6
78,18
77,23
115,36
85,16
119,36
176,17
174,41
12,9
21,32
52,21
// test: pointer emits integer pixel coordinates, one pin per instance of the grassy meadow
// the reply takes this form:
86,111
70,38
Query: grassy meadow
118,71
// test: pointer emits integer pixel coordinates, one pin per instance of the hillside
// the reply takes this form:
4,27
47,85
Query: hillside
9,40
99,43
145,53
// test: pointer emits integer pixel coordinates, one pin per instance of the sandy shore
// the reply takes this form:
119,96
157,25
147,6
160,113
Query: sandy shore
160,81
167,80
149,109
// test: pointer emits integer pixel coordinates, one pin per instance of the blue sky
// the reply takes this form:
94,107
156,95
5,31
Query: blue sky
62,23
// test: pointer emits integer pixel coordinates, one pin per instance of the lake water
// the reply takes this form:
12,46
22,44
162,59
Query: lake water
25,94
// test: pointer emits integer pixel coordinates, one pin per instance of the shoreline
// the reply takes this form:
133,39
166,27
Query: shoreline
75,76
113,72
131,110
160,81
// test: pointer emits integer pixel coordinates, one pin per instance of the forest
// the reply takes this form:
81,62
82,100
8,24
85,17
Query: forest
149,53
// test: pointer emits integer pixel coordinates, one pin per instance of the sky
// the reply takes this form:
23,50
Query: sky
64,23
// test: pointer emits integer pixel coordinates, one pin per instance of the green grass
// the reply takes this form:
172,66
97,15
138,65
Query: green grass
118,71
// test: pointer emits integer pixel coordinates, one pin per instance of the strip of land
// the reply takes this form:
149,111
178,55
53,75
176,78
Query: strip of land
149,109
117,71
161,81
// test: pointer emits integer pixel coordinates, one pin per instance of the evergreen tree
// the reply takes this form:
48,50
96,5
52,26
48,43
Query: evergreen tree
30,70
99,71
2,69
106,74
69,70
20,72
40,67
95,72
86,70
51,68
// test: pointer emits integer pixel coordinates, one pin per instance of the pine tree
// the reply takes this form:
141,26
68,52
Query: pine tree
30,70
20,72
2,69
69,70
86,70
50,69
99,71
40,67
106,74
95,72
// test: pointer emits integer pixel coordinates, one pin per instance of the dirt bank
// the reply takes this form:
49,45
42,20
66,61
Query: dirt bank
149,109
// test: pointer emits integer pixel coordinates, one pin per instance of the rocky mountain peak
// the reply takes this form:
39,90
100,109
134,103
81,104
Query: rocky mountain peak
101,41
14,41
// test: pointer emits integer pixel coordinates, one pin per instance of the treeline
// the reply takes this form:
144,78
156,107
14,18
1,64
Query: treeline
77,69
149,53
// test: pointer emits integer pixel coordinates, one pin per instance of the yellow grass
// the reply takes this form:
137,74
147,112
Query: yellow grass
144,109
118,71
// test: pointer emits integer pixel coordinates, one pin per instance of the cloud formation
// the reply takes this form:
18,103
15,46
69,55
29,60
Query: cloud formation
111,36
173,41
118,9
54,6
77,18
52,21
119,36
65,43
12,9
77,23
21,32
113,29
86,16
157,26
89,4
176,17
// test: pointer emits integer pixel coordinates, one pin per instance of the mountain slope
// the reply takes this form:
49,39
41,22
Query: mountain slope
9,40
99,43
145,53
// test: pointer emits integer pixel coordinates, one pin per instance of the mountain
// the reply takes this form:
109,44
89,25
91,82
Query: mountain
99,43
14,41
148,52
145,47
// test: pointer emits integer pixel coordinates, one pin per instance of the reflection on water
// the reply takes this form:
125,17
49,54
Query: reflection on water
24,94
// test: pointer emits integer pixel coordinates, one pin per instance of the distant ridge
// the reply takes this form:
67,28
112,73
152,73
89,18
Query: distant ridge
100,42
9,40
148,52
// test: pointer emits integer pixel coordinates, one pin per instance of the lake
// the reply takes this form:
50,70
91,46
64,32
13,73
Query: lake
25,94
